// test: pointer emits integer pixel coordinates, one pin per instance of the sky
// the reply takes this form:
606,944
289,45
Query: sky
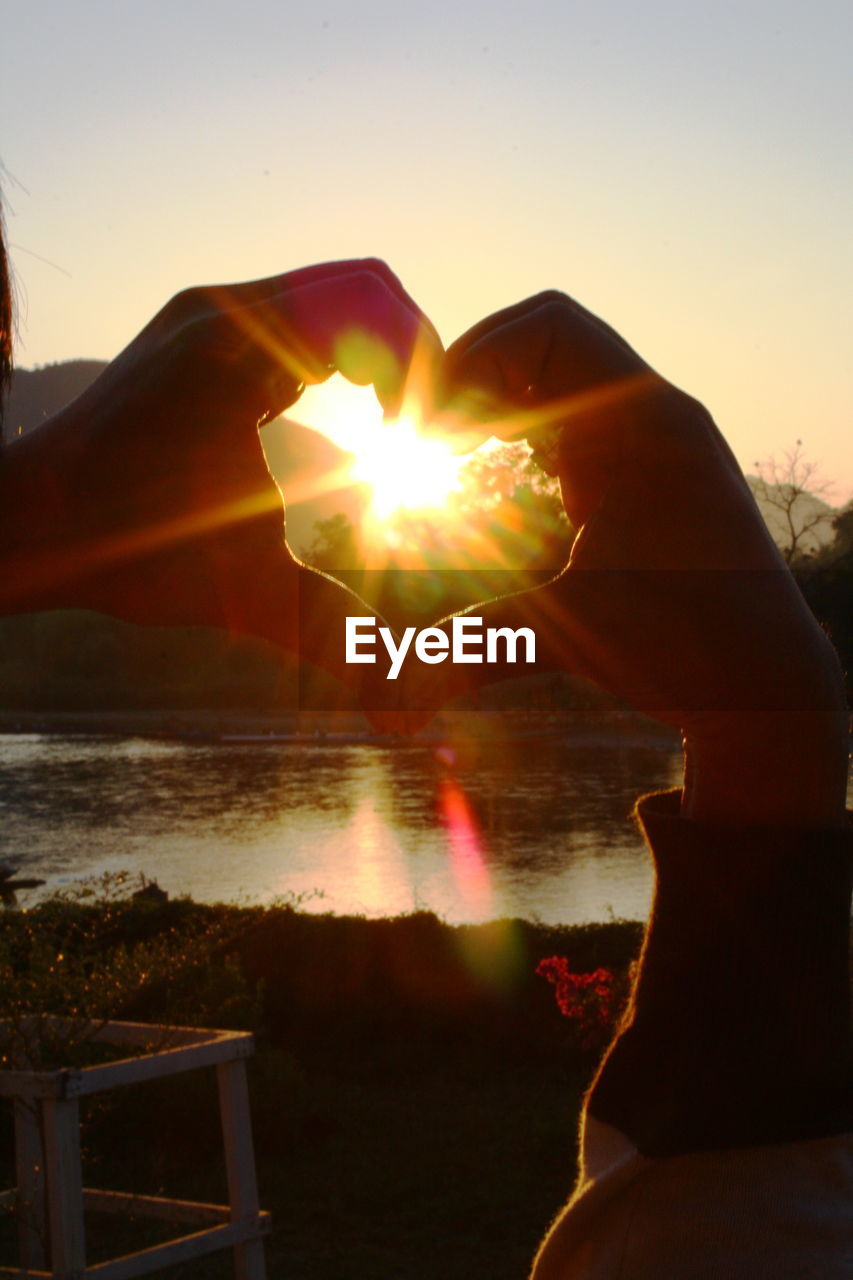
683,170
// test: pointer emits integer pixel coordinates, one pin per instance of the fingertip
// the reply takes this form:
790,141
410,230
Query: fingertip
416,390
390,400
471,414
460,434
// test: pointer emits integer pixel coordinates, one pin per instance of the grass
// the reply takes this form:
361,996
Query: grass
415,1090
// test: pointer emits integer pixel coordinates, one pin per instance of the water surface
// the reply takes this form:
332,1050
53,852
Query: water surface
534,828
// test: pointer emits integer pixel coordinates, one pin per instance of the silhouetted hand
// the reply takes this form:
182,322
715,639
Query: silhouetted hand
675,597
149,497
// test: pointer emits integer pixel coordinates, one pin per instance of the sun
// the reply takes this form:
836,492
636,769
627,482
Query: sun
403,468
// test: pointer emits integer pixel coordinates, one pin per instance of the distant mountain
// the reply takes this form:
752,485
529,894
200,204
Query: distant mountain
313,476
36,394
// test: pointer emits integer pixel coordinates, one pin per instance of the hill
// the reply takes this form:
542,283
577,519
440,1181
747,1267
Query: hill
36,394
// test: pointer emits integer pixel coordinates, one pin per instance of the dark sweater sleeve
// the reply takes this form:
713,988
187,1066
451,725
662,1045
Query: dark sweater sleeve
738,1032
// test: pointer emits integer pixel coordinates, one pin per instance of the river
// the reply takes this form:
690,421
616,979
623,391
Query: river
526,827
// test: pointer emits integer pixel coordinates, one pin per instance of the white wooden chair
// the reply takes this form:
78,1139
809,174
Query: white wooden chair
50,1200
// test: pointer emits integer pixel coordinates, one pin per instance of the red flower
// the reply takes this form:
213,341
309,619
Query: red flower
591,1000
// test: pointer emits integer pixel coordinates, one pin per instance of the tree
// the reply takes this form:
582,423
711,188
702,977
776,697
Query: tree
503,530
512,507
826,581
335,545
790,494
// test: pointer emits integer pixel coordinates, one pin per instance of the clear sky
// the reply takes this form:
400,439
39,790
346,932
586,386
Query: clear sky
684,169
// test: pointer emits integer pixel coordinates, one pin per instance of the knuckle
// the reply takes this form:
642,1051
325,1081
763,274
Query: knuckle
674,427
221,326
361,295
186,306
377,267
213,343
553,299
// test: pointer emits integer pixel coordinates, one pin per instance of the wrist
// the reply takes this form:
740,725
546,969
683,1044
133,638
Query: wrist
767,769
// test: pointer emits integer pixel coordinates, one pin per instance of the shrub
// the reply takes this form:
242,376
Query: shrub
593,1001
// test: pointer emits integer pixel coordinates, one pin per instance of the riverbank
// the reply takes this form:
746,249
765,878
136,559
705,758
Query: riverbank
415,1091
603,727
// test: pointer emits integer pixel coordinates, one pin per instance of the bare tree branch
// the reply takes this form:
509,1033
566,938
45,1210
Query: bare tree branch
792,487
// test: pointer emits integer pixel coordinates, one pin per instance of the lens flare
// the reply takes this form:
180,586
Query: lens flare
402,468
466,854
405,469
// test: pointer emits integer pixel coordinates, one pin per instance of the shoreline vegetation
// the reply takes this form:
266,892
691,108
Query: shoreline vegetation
415,1089
229,725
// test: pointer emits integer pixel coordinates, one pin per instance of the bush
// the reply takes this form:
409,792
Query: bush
94,954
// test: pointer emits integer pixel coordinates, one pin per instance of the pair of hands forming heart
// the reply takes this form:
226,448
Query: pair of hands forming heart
150,498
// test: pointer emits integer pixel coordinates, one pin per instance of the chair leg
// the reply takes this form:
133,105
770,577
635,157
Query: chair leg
64,1188
240,1164
29,1169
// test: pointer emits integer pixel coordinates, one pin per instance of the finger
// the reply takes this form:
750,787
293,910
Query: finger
361,326
516,359
544,348
489,324
549,297
202,301
249,293
474,384
553,374
354,316
539,370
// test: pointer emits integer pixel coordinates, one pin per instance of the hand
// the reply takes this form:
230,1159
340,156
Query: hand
149,497
675,597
